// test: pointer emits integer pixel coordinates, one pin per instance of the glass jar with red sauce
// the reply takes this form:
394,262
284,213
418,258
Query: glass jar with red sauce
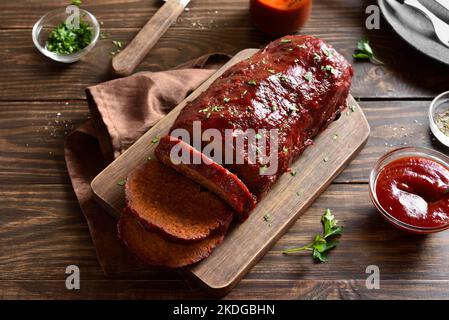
280,17
410,188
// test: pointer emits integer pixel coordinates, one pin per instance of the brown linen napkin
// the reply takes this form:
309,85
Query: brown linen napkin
122,110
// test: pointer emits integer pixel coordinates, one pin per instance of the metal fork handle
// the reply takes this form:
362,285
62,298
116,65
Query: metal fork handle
438,24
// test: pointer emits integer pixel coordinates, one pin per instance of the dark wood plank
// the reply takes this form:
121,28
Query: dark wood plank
394,124
31,140
43,231
33,77
260,290
200,14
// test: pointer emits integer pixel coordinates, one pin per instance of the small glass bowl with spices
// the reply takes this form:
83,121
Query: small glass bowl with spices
439,118
66,35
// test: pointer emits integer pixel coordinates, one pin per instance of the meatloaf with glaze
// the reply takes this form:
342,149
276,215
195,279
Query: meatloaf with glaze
173,205
297,85
153,249
209,174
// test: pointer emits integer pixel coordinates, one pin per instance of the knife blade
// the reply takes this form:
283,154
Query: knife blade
129,58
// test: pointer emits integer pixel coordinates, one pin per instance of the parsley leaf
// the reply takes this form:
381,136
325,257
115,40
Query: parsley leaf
365,52
121,183
330,227
322,243
308,76
66,40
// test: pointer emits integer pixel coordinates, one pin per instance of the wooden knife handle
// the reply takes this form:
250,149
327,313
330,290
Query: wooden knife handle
129,58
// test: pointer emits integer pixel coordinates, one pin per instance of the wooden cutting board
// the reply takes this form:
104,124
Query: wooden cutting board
246,243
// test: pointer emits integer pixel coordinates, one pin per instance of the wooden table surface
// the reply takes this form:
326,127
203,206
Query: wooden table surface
42,229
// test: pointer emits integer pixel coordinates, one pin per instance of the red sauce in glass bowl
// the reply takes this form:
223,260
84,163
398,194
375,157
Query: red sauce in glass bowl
280,17
415,191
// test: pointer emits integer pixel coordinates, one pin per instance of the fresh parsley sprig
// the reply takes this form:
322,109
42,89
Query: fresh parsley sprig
364,51
322,243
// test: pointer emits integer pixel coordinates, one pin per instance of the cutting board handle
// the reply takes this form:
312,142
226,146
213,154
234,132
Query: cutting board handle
129,58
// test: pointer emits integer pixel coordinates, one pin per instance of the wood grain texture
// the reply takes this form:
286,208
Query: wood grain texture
288,198
41,237
230,31
248,290
31,137
125,62
42,227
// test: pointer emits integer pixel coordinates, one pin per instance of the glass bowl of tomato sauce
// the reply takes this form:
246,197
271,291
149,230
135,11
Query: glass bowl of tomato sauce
410,188
280,17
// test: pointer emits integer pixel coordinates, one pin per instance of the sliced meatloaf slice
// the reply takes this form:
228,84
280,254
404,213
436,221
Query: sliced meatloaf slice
209,174
153,249
176,206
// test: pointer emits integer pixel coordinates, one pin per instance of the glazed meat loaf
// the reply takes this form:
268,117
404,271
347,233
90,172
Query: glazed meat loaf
296,85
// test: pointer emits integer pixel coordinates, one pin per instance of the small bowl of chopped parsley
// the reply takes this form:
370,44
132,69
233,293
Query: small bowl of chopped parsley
62,38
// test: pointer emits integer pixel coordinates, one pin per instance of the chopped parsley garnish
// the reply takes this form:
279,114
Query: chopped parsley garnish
352,108
327,53
267,218
262,170
271,71
118,44
216,108
258,136
308,76
121,183
77,2
285,149
330,69
208,111
226,99
66,40
293,173
155,140
285,40
252,82
365,52
282,76
302,46
324,242
243,93
292,108
316,57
